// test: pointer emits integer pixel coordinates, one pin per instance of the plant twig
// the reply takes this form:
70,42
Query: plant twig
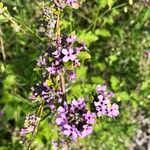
62,82
2,45
39,114
61,77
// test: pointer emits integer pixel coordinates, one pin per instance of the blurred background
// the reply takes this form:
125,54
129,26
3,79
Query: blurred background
117,33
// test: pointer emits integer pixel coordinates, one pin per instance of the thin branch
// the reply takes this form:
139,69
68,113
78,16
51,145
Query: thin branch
62,84
2,45
39,114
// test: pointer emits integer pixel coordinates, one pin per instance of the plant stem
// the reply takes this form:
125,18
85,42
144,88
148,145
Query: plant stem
62,82
2,45
39,114
58,26
61,76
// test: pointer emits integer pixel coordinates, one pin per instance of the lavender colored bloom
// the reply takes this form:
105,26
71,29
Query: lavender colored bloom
103,104
47,93
62,3
147,53
57,53
54,145
71,75
71,39
70,1
68,54
55,68
47,22
64,51
52,69
113,110
82,47
75,120
59,144
77,63
41,61
29,125
59,3
100,88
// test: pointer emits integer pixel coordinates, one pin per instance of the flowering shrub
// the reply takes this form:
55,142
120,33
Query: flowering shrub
75,120
118,43
102,103
62,3
58,65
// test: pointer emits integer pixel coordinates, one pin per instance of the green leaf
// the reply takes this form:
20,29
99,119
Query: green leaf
2,68
1,5
84,55
110,3
65,24
3,19
102,3
101,66
114,83
88,37
112,58
97,80
81,72
102,32
69,65
145,85
123,96
9,81
49,82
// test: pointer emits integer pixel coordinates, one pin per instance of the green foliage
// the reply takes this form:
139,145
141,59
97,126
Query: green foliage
117,35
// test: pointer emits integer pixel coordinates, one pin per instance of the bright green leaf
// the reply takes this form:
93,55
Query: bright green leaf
102,32
84,55
88,37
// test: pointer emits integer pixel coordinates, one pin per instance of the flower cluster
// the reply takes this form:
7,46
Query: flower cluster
29,126
62,59
147,53
65,56
62,3
47,22
103,104
47,93
75,120
58,64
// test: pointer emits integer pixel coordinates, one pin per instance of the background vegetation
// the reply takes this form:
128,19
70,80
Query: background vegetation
117,33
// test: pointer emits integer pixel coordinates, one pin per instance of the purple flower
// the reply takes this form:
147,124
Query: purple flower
68,54
113,110
82,47
71,75
100,88
55,68
65,51
77,63
51,69
41,61
71,39
75,120
47,93
57,53
29,125
147,53
69,2
86,130
103,104
90,117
